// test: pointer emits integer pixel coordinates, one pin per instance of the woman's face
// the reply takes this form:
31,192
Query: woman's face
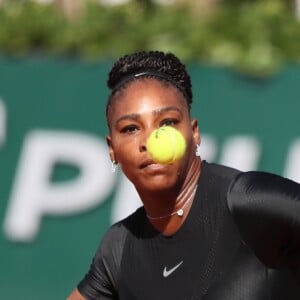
143,106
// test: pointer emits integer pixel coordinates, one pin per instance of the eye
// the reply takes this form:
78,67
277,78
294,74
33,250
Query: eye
129,129
169,122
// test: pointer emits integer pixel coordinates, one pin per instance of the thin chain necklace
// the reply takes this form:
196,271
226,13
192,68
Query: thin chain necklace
178,212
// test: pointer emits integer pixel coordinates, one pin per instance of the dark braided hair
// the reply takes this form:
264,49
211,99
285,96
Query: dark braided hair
156,64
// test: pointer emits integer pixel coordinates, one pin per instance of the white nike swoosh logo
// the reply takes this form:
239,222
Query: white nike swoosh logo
167,273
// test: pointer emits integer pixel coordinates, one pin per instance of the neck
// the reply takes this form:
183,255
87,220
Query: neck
179,212
169,217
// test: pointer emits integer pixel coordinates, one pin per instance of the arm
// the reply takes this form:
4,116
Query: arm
97,283
100,281
266,209
75,296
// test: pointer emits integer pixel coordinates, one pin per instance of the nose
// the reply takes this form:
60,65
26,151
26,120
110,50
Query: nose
143,141
143,147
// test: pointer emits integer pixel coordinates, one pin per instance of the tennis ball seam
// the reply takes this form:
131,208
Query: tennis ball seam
166,144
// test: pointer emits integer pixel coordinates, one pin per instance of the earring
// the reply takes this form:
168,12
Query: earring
114,166
198,150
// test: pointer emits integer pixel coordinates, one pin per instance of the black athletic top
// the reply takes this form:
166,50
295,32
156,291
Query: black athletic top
241,240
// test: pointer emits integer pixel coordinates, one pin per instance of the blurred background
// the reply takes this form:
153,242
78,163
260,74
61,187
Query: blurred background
57,192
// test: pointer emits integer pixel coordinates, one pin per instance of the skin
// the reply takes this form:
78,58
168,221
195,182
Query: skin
141,107
75,296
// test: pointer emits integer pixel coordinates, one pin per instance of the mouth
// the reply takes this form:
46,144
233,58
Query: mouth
146,163
150,164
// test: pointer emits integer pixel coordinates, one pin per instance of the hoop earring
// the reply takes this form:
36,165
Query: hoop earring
198,150
114,165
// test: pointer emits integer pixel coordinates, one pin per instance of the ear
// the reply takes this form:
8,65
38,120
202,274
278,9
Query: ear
196,132
110,148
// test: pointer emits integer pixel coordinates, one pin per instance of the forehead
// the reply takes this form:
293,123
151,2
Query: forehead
146,95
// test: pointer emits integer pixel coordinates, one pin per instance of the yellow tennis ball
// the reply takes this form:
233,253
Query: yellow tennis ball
166,145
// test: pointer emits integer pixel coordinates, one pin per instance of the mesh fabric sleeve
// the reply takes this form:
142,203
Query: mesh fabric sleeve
266,209
101,280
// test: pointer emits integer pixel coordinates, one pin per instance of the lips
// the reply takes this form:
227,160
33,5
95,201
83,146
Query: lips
152,167
147,163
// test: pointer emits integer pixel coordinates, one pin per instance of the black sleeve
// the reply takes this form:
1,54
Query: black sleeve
266,209
101,280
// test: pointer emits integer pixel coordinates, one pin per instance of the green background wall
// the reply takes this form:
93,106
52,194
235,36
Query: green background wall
70,95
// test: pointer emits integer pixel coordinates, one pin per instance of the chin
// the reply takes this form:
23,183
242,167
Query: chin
159,183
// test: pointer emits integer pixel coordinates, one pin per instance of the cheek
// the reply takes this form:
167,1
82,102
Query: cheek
125,150
191,145
189,137
128,161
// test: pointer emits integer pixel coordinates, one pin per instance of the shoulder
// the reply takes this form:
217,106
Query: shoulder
266,209
102,278
270,187
219,173
115,238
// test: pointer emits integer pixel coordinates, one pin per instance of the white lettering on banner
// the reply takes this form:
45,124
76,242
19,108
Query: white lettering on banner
241,152
208,147
292,169
33,195
2,122
126,200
